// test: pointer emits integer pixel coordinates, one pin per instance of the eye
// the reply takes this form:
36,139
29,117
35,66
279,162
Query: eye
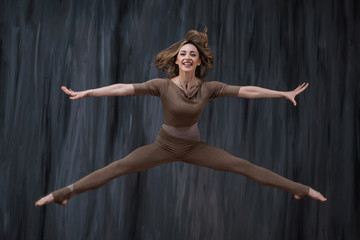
193,55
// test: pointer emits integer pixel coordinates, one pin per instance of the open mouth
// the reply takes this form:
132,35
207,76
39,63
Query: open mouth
187,64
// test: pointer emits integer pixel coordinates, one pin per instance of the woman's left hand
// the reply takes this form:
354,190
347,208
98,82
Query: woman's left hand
292,94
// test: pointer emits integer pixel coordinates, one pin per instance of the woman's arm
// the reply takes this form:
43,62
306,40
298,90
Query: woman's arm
119,89
258,92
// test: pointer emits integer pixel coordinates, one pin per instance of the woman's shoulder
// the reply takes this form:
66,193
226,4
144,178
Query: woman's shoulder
213,84
217,89
155,87
159,80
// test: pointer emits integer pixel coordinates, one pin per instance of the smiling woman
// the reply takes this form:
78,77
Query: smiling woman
188,57
184,95
166,59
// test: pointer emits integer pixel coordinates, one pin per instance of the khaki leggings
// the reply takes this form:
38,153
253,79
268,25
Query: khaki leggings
168,148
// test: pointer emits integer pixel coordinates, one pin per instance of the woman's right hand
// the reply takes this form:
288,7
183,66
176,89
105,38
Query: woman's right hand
77,95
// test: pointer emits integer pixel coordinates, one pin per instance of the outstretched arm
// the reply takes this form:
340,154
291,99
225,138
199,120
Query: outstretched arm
119,89
258,92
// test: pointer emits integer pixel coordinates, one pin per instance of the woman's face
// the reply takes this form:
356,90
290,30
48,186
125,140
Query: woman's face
188,58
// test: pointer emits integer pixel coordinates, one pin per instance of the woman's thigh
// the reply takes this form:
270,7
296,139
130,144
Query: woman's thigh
142,158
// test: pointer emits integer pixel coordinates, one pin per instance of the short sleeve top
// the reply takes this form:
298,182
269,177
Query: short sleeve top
183,108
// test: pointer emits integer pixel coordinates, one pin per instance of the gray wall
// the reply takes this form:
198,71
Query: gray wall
48,141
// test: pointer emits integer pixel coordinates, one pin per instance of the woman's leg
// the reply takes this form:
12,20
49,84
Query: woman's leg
139,160
218,159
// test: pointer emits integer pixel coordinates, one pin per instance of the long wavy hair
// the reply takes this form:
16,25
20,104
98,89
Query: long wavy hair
165,60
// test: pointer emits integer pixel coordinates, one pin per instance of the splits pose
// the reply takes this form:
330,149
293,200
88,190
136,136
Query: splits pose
184,95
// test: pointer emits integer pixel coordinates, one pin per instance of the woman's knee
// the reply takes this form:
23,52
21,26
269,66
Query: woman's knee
117,168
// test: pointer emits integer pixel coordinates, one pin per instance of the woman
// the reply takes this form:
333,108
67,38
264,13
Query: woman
184,95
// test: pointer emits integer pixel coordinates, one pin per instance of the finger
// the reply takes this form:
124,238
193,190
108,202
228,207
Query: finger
73,94
297,88
65,90
300,86
74,97
303,87
70,92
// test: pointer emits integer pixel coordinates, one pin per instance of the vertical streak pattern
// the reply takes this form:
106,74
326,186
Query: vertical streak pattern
48,141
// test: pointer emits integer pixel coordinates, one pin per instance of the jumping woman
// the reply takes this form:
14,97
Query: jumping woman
184,94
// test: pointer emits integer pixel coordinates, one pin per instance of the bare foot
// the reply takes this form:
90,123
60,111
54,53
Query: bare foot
314,194
48,199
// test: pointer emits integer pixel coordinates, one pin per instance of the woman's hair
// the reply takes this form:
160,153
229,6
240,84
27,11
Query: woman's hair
165,60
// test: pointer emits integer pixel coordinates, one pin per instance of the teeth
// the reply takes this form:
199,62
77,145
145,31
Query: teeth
188,64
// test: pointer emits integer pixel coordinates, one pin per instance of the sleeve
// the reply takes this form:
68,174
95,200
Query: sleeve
219,89
155,87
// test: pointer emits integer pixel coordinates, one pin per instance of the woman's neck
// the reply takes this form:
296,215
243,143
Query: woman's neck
187,79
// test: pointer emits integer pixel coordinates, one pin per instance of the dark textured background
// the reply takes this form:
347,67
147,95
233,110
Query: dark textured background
48,141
